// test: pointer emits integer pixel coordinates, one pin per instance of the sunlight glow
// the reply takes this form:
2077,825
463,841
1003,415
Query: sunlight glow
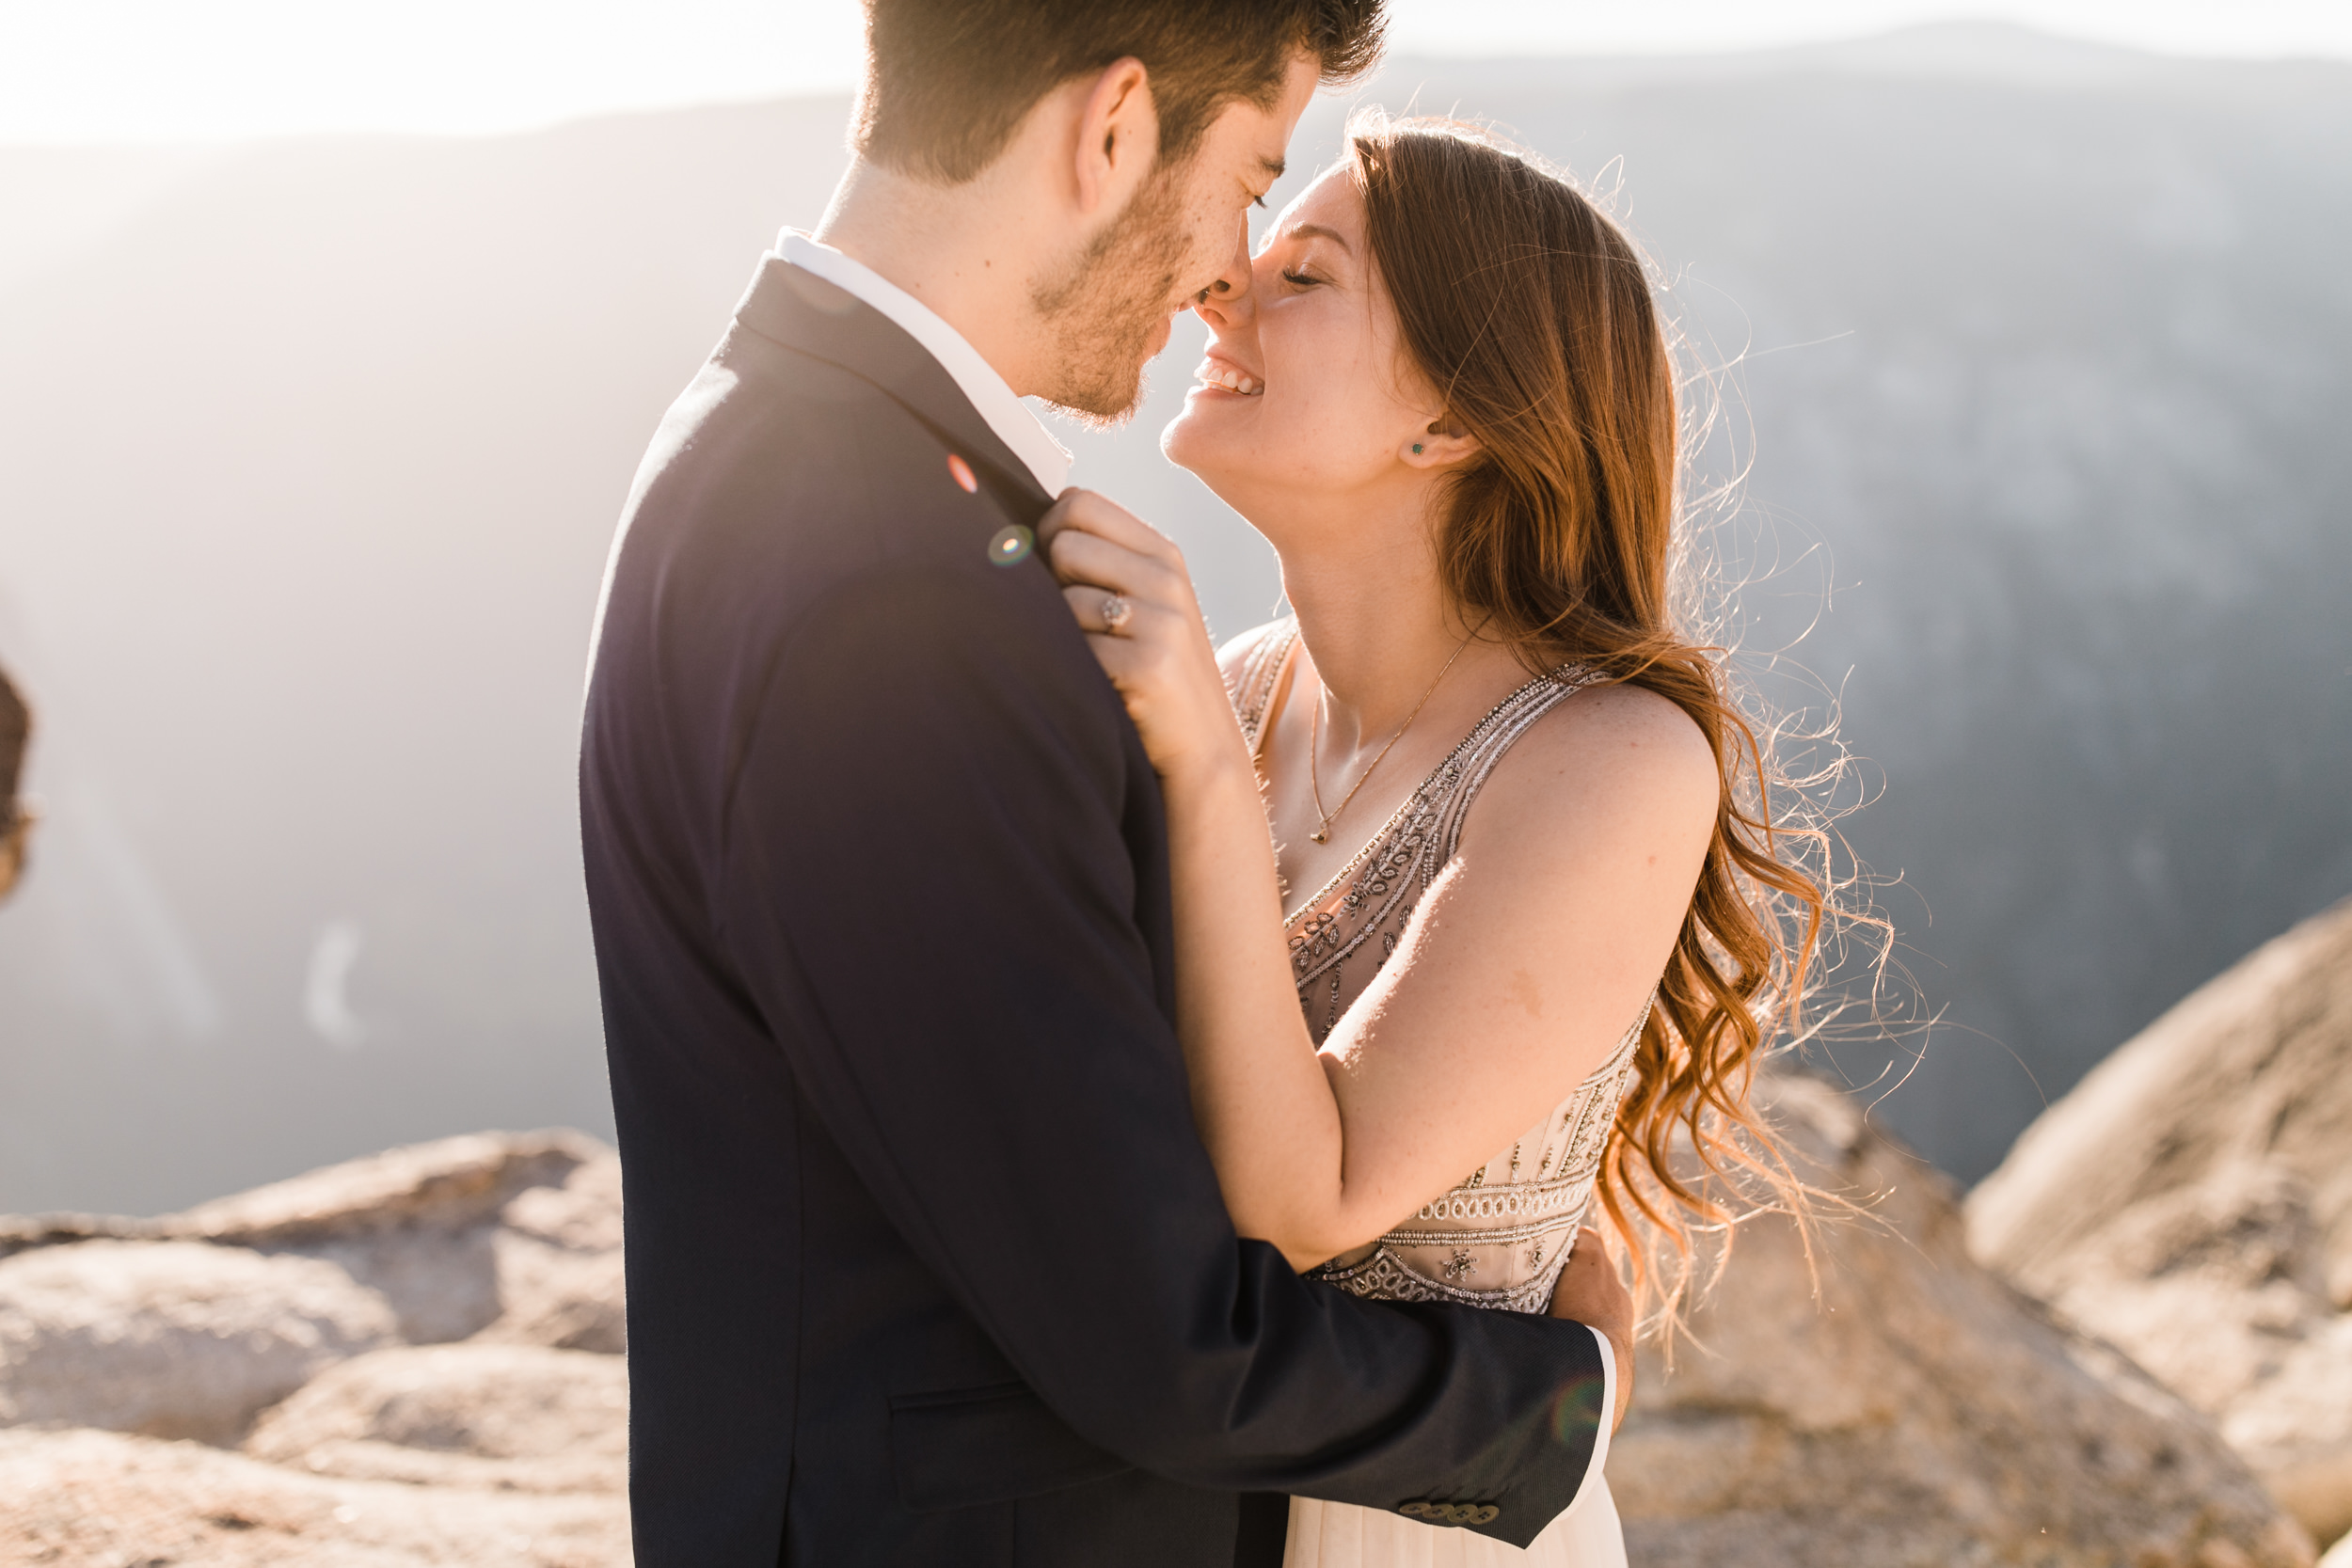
131,70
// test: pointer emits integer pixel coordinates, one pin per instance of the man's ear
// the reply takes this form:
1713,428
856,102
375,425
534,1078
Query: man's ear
1118,137
1443,443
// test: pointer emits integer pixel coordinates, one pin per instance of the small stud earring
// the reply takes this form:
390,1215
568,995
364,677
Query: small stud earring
1416,449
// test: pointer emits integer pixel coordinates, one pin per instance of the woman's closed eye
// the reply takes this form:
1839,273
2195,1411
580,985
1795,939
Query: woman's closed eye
1299,280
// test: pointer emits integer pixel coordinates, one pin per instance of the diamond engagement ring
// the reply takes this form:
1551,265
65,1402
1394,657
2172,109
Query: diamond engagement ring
1115,612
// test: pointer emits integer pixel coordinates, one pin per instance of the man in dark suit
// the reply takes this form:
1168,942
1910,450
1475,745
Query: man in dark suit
927,1264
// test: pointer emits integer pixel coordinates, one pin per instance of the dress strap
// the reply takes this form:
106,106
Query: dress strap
1376,892
1258,675
1474,761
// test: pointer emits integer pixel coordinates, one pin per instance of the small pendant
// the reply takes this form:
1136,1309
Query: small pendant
1321,835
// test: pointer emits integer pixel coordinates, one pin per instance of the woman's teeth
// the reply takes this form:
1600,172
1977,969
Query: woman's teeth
1229,378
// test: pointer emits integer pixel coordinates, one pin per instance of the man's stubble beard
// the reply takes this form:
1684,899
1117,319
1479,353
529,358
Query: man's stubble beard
1107,305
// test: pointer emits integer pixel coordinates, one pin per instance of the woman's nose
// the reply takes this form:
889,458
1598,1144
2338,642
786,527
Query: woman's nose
1227,302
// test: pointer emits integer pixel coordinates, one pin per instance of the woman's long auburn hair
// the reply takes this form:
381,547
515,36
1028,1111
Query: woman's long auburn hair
1531,314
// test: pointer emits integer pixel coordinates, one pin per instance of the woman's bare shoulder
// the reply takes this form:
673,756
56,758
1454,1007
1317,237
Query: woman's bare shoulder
1616,757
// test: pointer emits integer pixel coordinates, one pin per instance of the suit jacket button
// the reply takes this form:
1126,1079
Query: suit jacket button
1487,1514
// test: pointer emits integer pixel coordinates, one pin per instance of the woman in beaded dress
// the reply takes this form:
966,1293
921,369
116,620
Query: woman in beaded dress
1514,925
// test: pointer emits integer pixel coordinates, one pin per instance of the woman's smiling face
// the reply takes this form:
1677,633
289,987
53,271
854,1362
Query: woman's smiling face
1305,389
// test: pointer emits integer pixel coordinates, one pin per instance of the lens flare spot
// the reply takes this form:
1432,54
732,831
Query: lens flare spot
962,472
1012,544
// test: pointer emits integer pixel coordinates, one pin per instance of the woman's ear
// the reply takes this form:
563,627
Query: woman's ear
1441,444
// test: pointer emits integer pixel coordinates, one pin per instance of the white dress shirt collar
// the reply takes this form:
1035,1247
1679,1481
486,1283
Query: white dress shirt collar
1005,414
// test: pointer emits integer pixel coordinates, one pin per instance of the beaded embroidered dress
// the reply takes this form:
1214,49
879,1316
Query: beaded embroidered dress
1500,1237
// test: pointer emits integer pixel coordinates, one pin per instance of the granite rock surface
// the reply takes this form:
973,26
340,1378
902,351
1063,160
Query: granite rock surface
405,1360
424,1346
2191,1202
1919,1413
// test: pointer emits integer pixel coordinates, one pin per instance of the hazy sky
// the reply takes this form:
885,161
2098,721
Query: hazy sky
77,70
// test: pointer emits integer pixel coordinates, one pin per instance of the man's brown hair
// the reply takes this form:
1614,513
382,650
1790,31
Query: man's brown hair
946,81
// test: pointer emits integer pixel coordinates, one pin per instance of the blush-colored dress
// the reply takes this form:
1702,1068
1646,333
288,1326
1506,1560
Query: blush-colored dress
1499,1238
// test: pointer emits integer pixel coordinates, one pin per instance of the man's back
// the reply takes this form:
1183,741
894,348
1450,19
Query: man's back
924,1254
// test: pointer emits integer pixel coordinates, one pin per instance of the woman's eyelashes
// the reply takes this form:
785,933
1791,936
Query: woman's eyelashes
1299,280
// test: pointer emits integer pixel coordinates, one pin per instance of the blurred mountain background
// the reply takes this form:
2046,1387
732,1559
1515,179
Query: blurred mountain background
2034,359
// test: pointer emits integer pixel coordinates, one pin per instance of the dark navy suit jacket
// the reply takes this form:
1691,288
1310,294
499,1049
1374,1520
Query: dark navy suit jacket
927,1264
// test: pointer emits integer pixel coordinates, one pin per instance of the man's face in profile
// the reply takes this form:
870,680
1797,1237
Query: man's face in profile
1112,309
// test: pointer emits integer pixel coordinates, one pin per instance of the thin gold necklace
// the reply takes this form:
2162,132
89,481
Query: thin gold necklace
1314,744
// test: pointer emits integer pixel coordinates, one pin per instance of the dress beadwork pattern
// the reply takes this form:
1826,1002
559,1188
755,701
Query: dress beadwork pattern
1501,1237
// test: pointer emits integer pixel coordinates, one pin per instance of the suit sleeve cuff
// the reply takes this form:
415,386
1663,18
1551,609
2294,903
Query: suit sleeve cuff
1608,1421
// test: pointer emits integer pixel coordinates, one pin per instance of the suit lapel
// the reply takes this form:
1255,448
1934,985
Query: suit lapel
802,312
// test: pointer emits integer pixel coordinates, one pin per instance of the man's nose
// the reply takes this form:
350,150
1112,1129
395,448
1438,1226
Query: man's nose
1228,301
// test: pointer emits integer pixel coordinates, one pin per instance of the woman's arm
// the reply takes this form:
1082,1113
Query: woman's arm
1520,970
1265,1110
